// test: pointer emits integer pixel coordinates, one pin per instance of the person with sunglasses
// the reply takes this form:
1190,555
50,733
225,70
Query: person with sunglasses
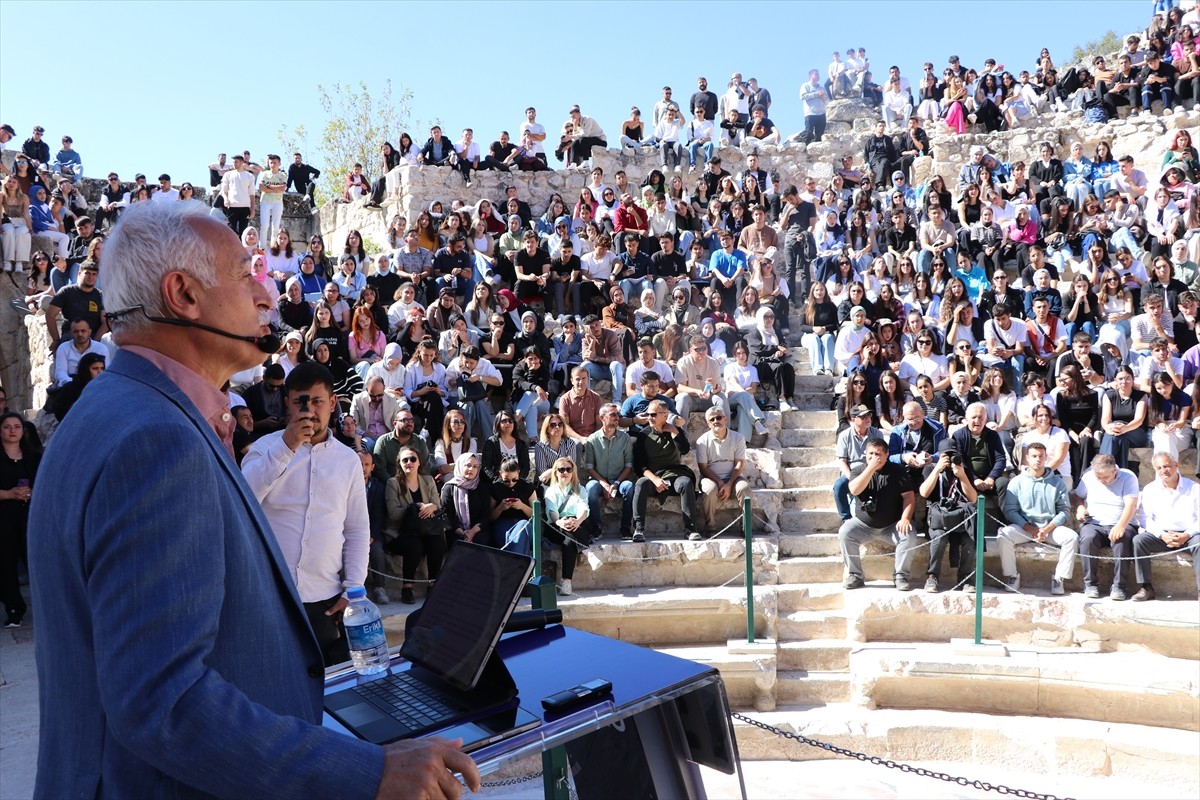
512,506
412,499
657,457
721,458
567,512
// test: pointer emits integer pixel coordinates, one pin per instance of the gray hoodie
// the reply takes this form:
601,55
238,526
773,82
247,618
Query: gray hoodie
1037,500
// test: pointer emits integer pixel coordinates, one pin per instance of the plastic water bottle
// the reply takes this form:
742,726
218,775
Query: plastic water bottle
364,630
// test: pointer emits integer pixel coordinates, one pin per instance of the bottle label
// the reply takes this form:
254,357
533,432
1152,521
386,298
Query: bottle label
366,637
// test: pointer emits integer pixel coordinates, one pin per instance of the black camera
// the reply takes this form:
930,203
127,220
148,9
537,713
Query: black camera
302,403
868,504
955,458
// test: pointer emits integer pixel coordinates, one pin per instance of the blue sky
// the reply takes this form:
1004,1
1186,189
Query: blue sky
163,86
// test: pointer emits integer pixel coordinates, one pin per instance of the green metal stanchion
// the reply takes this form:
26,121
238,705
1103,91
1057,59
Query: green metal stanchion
747,520
979,546
541,589
542,596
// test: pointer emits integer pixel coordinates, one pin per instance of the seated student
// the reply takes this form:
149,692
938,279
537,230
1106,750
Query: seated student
647,362
413,506
506,441
635,410
567,510
884,510
453,441
958,397
512,507
657,456
603,357
608,461
720,457
469,377
1038,508
468,508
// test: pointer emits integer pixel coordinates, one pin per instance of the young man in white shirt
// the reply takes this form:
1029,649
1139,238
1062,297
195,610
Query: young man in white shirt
272,182
700,137
537,132
310,487
237,188
164,193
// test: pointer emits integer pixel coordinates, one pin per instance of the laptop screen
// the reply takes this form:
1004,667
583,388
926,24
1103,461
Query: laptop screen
466,611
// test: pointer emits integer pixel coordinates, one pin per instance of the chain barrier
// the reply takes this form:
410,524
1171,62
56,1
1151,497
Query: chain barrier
511,781
999,788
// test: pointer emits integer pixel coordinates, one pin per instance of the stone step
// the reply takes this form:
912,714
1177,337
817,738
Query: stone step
809,597
814,383
1168,628
809,419
812,687
808,457
811,477
808,544
824,655
800,497
611,564
808,625
1064,754
1033,682
797,520
824,569
668,616
745,674
808,437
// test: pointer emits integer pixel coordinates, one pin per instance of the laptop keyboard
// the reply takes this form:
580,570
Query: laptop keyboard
410,702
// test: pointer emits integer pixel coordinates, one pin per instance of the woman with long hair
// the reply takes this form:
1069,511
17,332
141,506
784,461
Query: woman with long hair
350,279
16,234
1079,410
1123,417
323,263
1167,416
354,247
413,496
857,393
1001,404
389,159
1183,155
818,331
551,444
454,442
566,511
323,328
18,473
1057,441
889,402
426,386
507,440
365,342
1082,309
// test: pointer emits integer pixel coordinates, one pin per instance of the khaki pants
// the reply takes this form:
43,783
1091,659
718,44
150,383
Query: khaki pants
710,502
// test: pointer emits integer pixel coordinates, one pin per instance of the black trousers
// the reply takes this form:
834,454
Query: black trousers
414,547
582,149
330,634
239,218
12,550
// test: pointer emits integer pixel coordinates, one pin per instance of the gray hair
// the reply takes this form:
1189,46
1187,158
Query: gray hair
1103,462
151,240
1164,457
607,407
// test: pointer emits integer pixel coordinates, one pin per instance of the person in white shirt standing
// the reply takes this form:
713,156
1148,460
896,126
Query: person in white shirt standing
272,183
237,188
1170,507
310,487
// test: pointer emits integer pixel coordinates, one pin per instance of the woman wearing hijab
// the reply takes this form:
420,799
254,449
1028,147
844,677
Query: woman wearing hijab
770,356
468,510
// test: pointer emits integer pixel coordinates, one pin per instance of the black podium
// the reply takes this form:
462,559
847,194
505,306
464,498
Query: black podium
664,718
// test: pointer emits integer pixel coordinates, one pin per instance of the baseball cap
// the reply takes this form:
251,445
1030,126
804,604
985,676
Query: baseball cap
860,410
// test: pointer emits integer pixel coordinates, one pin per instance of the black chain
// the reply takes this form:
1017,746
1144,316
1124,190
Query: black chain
511,781
884,762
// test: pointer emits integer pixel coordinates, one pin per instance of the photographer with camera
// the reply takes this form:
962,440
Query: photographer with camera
884,511
951,497
310,487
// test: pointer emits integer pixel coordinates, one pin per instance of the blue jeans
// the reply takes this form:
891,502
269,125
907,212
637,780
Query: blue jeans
529,407
841,496
925,258
633,288
614,372
695,147
1087,327
1166,93
513,535
596,499
747,412
820,351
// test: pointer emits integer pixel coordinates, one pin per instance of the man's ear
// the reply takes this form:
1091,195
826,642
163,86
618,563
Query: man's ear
179,295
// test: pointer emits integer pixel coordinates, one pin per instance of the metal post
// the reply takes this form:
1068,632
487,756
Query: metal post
747,520
541,589
979,545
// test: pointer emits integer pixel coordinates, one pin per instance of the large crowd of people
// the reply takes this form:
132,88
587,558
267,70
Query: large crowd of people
486,356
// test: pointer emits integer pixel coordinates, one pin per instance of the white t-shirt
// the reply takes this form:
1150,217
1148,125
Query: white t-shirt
913,365
537,129
1017,333
238,188
268,178
169,196
633,374
740,378
1052,439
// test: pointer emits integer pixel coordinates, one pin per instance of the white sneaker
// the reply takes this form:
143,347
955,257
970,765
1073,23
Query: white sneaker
380,596
18,268
565,587
760,429
8,267
784,405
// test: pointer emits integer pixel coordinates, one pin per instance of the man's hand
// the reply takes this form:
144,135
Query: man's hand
904,527
723,492
425,768
1045,531
337,607
660,485
1117,533
300,429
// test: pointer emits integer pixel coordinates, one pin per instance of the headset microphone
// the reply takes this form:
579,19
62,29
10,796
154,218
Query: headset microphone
269,343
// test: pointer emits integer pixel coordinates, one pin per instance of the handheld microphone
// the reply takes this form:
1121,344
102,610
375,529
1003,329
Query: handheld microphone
269,343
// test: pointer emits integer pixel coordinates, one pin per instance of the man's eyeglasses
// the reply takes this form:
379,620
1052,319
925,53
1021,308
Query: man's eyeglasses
403,420
716,418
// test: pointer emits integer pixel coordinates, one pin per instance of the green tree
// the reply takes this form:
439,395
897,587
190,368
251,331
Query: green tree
1105,46
356,124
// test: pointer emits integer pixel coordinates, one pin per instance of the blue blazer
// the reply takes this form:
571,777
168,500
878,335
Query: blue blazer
174,656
